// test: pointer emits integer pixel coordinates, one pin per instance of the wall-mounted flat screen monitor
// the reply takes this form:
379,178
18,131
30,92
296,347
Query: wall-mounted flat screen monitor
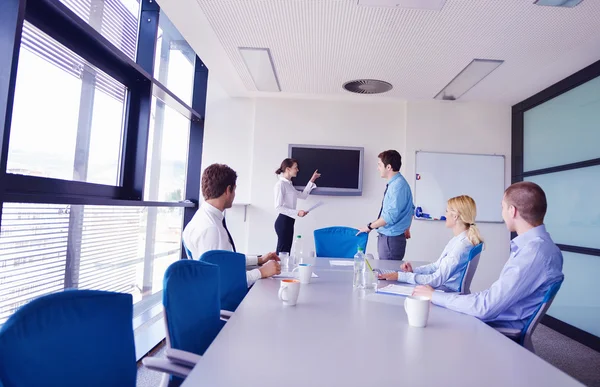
341,168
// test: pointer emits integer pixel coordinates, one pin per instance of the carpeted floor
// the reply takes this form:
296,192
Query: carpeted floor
575,359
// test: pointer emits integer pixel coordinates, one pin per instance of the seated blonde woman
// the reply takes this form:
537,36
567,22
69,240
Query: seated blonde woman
446,272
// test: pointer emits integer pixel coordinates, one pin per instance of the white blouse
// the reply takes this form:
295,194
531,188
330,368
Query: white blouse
286,196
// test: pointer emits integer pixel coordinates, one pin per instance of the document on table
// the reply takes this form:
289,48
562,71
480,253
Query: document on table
347,262
399,290
316,205
289,274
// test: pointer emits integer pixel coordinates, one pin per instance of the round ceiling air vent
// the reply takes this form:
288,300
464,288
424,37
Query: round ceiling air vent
367,86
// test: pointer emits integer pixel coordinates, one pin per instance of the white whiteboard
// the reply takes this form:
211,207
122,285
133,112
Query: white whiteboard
441,176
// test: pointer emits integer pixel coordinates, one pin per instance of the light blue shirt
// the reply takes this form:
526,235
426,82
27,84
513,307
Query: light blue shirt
446,272
398,207
535,263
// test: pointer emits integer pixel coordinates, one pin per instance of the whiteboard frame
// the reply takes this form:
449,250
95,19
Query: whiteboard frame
464,154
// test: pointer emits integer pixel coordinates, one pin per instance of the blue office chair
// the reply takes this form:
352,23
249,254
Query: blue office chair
192,305
523,336
234,285
192,317
470,269
72,338
339,242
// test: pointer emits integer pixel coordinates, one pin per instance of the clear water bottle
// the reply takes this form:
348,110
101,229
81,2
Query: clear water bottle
297,252
359,268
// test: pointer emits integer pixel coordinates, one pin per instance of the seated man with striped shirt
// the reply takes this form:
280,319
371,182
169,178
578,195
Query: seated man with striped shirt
208,231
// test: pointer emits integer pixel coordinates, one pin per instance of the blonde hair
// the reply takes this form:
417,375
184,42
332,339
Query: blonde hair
466,209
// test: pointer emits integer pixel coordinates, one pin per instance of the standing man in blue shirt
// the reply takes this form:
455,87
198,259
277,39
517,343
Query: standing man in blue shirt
395,215
534,265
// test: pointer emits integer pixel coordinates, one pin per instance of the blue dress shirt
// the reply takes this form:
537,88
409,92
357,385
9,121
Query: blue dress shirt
398,208
535,263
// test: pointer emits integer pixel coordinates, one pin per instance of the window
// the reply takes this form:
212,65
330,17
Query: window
576,302
563,130
67,116
559,152
573,216
96,152
116,20
46,248
167,154
174,60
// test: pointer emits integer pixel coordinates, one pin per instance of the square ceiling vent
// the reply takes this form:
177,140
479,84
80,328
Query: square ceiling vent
431,5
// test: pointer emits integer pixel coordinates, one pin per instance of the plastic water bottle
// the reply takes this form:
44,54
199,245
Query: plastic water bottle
359,267
297,251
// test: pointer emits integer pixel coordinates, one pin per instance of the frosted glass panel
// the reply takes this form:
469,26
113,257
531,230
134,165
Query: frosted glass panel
573,216
564,130
577,303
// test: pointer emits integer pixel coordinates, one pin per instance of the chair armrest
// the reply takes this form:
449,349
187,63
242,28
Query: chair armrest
164,365
183,358
511,333
226,314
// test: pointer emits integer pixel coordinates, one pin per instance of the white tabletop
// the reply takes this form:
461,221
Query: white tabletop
336,336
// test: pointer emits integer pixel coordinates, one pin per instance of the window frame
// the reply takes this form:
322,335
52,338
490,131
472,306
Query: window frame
59,22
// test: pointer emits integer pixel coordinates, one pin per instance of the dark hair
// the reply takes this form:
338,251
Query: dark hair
529,199
215,180
391,157
287,163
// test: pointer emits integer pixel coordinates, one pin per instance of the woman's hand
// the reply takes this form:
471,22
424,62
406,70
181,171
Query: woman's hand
315,176
302,213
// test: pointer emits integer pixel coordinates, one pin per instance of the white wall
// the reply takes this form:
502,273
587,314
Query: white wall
278,122
252,136
228,138
459,128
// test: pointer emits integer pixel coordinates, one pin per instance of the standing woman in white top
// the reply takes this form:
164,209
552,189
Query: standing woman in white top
286,197
446,272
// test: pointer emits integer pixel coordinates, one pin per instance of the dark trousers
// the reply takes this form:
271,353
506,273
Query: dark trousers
391,247
284,227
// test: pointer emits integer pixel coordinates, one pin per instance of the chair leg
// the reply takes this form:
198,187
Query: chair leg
529,344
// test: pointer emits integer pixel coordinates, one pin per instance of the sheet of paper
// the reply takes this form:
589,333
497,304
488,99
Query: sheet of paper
347,262
401,290
289,274
316,205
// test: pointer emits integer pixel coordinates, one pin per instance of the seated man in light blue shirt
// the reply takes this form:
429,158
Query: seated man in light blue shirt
535,264
397,208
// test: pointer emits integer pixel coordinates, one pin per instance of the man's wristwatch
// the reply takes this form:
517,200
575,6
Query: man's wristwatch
369,227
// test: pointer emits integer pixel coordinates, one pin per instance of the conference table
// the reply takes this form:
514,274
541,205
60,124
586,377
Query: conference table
338,336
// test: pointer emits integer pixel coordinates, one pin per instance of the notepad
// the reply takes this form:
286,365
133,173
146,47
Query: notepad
289,274
399,290
384,271
342,263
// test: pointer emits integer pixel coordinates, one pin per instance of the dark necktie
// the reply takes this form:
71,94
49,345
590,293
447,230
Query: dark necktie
229,235
381,209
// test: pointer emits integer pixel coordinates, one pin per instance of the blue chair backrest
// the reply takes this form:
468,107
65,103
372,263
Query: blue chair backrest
192,305
539,312
469,271
234,285
71,338
339,242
